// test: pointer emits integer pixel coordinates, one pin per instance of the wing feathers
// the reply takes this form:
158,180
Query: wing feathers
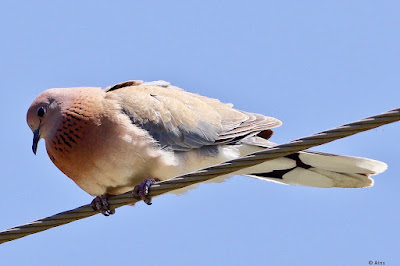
181,120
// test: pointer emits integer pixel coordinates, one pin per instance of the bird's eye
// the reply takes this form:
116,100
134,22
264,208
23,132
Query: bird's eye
41,111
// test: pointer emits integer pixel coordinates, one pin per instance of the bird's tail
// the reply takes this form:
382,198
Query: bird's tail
316,169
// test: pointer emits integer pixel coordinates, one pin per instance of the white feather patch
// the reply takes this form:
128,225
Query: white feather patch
346,180
304,177
343,164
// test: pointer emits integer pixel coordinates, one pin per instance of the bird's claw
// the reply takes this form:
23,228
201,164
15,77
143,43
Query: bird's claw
141,191
100,204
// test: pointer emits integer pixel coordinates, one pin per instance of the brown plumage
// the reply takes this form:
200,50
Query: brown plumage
107,141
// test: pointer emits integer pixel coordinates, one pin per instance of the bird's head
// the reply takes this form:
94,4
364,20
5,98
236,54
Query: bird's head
43,114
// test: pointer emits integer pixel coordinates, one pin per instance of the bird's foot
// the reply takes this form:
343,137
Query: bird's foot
141,191
100,204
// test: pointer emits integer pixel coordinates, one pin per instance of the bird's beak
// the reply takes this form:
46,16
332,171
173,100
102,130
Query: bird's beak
36,138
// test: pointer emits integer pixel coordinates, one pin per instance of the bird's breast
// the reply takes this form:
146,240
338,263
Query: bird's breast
106,155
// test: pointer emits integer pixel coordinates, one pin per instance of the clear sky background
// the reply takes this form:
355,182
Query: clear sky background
313,64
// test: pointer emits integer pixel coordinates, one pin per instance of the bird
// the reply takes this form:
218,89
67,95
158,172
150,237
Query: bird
129,135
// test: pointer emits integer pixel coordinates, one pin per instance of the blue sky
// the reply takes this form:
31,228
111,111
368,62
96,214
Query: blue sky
313,64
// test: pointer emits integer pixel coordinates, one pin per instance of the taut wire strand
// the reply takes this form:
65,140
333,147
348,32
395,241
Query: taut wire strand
206,173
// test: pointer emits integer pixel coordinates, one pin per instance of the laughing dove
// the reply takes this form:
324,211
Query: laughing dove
108,141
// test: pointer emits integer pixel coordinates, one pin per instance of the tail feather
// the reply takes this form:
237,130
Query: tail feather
342,164
318,170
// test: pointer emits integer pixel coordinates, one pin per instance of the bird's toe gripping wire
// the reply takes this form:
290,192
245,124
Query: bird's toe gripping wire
100,204
141,191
